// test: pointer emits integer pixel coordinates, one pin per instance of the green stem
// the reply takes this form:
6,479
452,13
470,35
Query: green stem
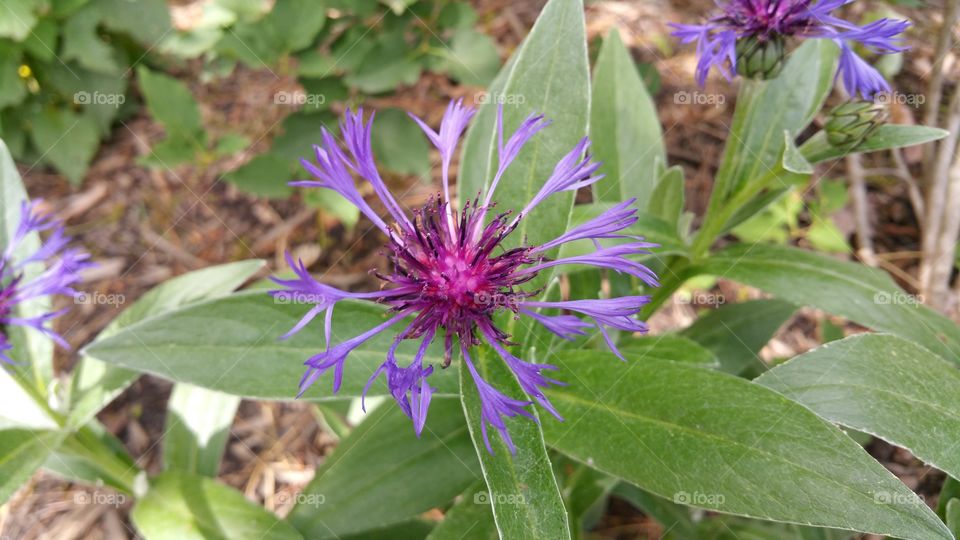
120,471
672,281
715,221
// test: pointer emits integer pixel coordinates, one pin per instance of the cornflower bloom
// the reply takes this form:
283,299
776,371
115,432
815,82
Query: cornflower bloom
749,36
451,274
17,286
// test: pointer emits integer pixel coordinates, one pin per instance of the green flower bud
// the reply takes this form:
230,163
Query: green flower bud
850,123
760,58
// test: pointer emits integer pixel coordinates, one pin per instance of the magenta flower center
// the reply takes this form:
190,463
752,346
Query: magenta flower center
455,271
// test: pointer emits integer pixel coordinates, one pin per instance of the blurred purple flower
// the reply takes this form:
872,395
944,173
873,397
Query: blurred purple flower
16,287
451,272
768,20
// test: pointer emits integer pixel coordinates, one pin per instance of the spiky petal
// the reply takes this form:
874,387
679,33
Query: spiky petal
17,287
450,274
769,20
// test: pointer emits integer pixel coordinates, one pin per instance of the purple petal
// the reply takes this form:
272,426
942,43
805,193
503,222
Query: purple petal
606,225
334,357
614,258
570,174
859,76
455,121
495,407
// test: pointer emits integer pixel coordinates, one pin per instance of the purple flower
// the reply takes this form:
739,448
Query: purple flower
450,273
766,21
16,286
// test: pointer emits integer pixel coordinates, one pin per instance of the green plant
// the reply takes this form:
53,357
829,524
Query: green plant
64,71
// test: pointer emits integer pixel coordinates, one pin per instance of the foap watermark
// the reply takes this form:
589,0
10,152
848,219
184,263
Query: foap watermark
698,98
900,98
298,98
97,298
500,99
483,497
702,299
98,98
297,297
84,498
897,499
301,499
698,498
497,299
897,298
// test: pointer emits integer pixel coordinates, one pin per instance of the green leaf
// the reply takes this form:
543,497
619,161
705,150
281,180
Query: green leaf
549,75
333,203
399,145
182,506
22,451
864,295
471,58
17,17
732,528
766,109
92,455
66,140
667,199
96,383
170,152
170,103
197,427
882,385
953,516
42,41
101,95
522,489
383,474
12,89
82,43
737,332
266,175
32,349
793,159
949,491
756,205
239,351
388,64
230,144
146,21
715,441
649,226
22,406
296,22
470,517
817,149
585,492
414,529
624,127
667,347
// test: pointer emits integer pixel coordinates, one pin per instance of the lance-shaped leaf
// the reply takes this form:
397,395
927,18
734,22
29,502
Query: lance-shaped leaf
382,474
887,136
521,487
232,345
864,295
95,383
182,506
882,385
197,427
711,440
624,127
